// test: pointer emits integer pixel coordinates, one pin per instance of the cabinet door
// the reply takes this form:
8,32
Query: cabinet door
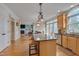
60,21
64,20
77,52
69,43
65,41
72,43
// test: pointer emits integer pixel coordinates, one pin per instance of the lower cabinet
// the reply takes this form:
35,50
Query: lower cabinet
72,43
69,43
47,48
77,52
64,41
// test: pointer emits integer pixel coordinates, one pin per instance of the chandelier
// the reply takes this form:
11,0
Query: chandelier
40,16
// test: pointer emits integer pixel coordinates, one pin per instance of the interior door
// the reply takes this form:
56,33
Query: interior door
4,41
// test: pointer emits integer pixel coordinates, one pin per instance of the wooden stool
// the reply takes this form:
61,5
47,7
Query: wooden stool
33,49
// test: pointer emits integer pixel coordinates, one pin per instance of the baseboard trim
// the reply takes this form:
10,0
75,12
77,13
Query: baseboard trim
4,49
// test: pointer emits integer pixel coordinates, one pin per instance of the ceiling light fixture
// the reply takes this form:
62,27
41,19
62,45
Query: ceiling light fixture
40,13
40,17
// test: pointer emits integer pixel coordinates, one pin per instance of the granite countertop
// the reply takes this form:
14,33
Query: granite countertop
45,40
72,35
39,37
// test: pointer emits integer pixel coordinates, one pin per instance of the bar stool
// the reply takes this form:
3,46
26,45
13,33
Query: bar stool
34,49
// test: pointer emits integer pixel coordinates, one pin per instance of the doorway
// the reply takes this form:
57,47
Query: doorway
12,30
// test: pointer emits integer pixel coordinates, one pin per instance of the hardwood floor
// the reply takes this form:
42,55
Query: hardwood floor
21,48
18,48
61,51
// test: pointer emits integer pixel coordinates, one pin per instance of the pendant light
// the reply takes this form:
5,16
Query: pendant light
40,17
41,13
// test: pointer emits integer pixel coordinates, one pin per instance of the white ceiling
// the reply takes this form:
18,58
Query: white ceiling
28,12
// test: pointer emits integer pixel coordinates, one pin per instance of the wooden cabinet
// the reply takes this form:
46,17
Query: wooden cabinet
77,47
62,21
48,48
64,41
72,43
69,43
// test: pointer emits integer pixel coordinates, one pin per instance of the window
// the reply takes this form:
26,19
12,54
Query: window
55,28
51,29
73,21
74,11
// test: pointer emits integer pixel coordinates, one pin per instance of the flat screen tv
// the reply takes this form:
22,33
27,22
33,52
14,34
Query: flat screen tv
22,26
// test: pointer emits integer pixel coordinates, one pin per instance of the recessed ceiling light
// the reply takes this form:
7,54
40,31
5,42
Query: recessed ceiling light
58,10
72,6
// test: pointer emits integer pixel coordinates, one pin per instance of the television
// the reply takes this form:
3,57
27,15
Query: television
22,26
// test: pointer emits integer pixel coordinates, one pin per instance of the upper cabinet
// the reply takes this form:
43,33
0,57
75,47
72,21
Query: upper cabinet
62,21
59,20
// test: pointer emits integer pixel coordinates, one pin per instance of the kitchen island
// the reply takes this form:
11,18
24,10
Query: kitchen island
47,47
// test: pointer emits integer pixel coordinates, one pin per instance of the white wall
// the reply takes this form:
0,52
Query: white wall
5,12
17,32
